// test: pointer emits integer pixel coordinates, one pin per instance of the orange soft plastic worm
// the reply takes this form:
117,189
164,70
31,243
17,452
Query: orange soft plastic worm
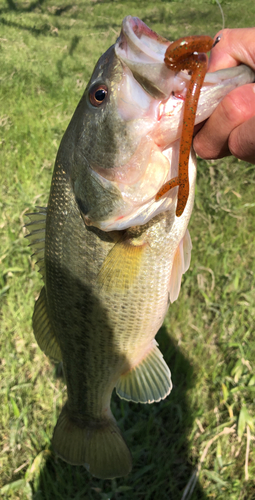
179,56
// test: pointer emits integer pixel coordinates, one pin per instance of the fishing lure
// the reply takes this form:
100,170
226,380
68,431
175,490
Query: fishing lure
187,53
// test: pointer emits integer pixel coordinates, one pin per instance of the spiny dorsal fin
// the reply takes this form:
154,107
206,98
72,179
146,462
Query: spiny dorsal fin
122,265
42,329
180,266
147,382
37,226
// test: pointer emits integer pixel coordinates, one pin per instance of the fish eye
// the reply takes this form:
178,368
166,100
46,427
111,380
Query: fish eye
98,94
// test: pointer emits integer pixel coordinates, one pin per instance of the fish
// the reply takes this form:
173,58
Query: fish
111,255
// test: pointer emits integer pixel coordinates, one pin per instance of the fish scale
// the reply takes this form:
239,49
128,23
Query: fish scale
101,332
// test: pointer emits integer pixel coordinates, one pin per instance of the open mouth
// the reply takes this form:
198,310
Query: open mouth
143,52
151,99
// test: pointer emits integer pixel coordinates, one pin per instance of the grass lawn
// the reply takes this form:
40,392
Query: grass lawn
199,442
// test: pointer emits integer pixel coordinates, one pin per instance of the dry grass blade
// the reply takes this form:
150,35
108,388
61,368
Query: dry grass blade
195,475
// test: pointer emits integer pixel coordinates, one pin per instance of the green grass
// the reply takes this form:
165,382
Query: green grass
48,51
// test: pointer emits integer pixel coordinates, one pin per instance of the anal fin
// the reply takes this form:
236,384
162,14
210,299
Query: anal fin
44,335
147,382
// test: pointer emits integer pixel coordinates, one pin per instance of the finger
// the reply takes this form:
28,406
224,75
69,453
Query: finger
235,46
242,141
211,141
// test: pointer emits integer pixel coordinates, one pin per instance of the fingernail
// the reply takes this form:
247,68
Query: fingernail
217,40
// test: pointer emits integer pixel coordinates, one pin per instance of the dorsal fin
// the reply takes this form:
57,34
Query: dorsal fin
37,226
43,330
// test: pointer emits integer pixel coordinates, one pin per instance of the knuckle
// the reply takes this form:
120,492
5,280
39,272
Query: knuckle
242,141
235,144
234,108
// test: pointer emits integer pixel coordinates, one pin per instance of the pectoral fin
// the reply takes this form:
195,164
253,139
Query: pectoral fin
147,382
122,265
43,331
180,266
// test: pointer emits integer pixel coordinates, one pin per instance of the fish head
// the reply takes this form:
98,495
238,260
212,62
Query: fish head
122,143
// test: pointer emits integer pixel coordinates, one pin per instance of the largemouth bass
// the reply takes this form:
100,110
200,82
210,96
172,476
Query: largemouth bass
111,255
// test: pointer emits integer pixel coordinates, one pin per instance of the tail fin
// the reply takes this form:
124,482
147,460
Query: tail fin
100,447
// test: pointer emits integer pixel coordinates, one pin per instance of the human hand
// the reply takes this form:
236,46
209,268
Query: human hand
230,130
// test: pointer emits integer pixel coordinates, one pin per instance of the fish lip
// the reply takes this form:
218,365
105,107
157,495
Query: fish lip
134,34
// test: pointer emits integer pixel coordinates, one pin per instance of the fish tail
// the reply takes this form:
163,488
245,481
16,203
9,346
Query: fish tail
98,446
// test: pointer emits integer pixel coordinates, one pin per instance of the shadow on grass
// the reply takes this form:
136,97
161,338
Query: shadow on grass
60,64
44,29
14,6
32,6
157,437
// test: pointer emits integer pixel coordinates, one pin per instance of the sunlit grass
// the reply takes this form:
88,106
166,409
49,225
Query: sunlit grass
48,51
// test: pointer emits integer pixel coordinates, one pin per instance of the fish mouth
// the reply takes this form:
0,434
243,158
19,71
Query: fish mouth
151,99
140,42
142,51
